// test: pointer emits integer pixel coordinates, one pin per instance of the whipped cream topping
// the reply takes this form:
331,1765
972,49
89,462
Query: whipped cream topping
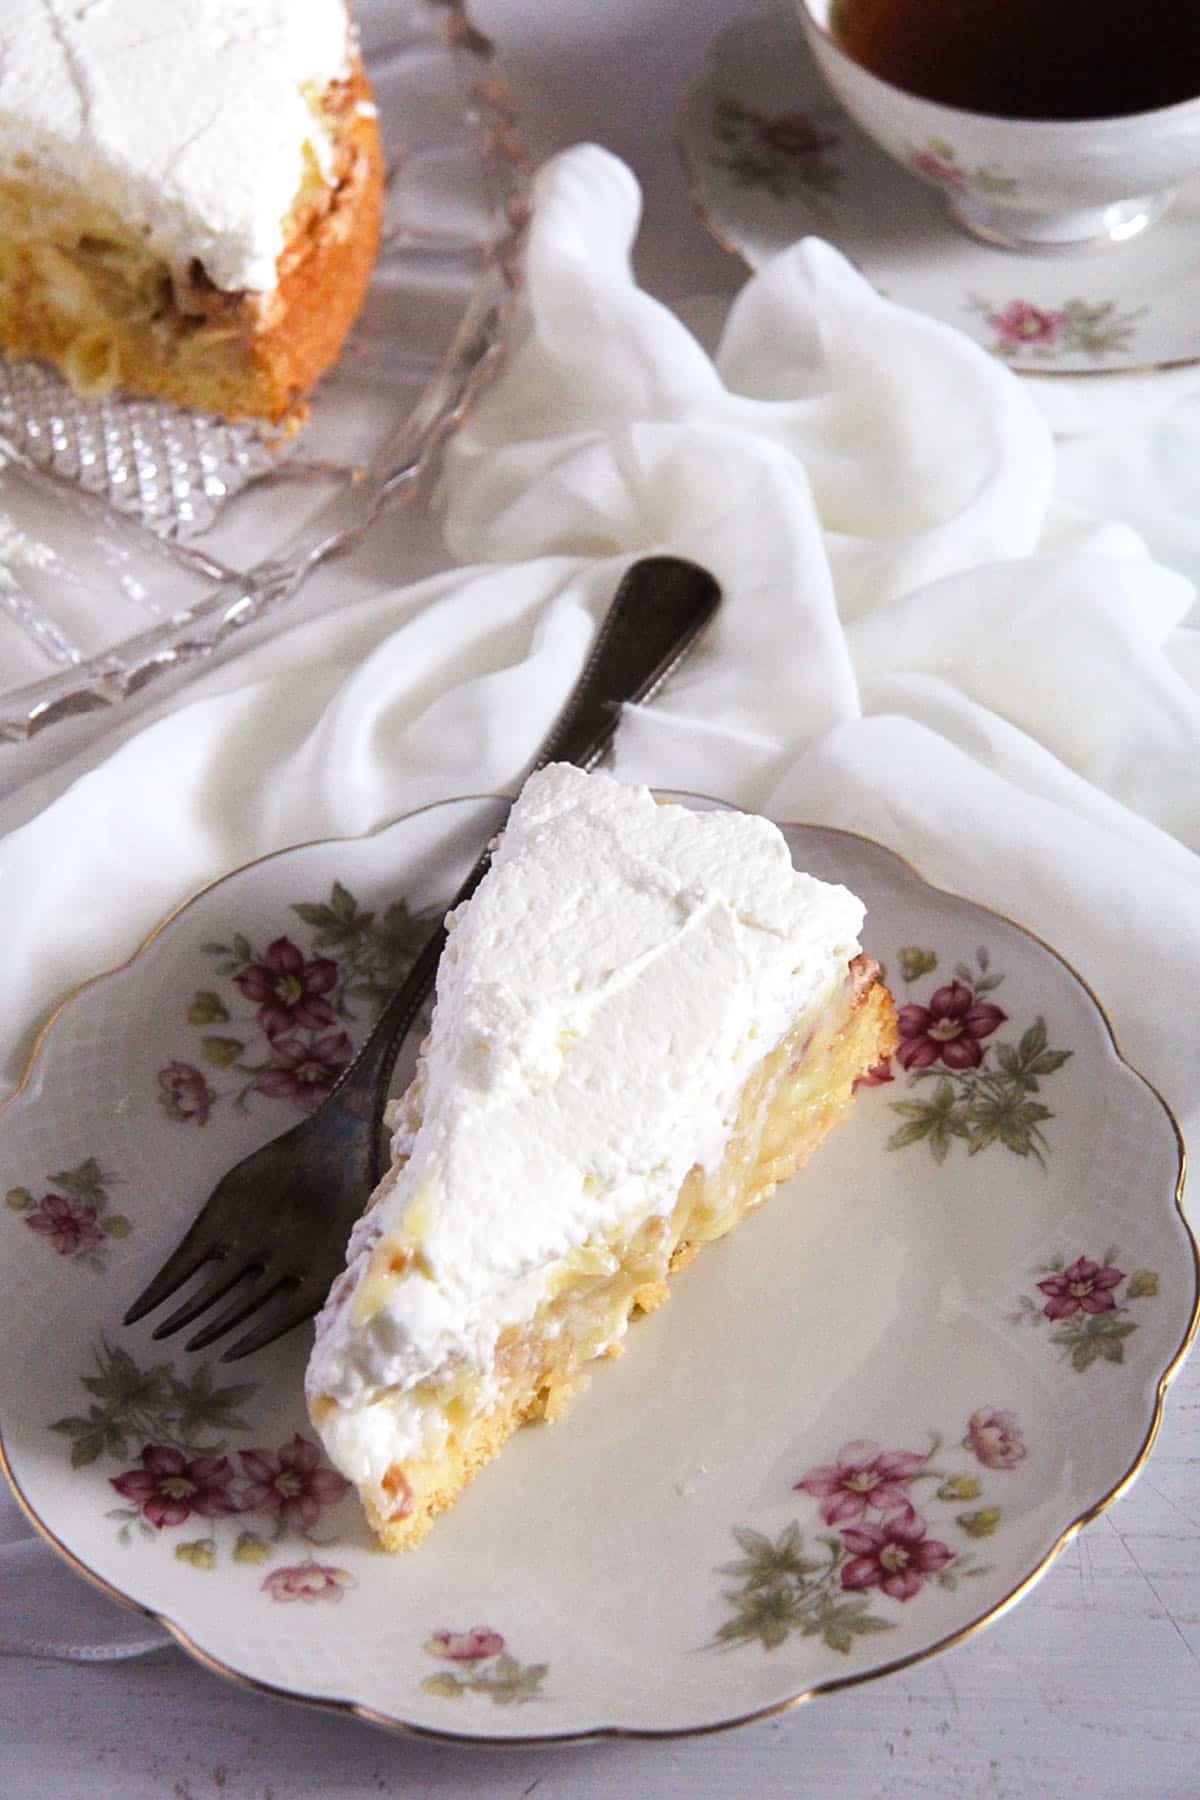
601,1001
190,122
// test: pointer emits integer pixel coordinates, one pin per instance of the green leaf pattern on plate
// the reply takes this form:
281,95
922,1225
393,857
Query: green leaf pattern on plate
479,1663
283,1007
784,1588
974,1089
1089,1303
175,1431
129,1405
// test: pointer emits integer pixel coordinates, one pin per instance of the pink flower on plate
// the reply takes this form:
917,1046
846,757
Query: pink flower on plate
793,134
894,1556
475,1645
1021,324
995,1437
291,1483
1084,1287
863,1476
308,1582
65,1226
305,1072
950,1027
168,1488
287,990
938,168
184,1093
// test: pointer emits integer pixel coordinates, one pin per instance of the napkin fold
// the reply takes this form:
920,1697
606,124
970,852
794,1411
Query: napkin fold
920,640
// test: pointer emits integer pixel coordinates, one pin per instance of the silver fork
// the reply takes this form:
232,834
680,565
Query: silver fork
274,1228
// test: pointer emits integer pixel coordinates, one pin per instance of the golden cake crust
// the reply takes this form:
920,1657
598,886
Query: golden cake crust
324,271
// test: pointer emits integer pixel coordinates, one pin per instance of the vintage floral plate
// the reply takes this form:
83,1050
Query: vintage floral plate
771,157
863,1426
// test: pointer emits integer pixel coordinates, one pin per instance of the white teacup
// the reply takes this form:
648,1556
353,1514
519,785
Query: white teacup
1025,184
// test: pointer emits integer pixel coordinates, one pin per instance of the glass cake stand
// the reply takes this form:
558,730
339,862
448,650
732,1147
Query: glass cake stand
137,539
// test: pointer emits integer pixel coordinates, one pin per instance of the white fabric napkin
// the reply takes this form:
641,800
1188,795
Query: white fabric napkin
920,640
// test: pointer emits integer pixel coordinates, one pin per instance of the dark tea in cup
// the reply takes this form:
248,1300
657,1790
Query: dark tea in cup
1029,59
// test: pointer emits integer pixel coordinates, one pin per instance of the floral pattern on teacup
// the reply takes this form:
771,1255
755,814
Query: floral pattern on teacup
879,1540
983,1087
938,162
275,1025
775,152
1075,327
1089,1303
482,1666
72,1217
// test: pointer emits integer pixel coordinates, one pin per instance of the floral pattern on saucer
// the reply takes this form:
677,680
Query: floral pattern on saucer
777,152
896,224
1084,1299
482,1665
72,1217
879,1540
984,1088
277,1021
1091,328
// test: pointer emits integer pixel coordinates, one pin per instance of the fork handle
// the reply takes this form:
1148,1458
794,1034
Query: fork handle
363,1087
659,610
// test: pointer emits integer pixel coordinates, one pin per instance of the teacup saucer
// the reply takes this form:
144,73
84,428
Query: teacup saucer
771,157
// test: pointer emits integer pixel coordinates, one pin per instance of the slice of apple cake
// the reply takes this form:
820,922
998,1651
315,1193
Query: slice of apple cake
645,1019
189,195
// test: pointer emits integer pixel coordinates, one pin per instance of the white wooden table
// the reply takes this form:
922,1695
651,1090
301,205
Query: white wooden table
1090,1687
